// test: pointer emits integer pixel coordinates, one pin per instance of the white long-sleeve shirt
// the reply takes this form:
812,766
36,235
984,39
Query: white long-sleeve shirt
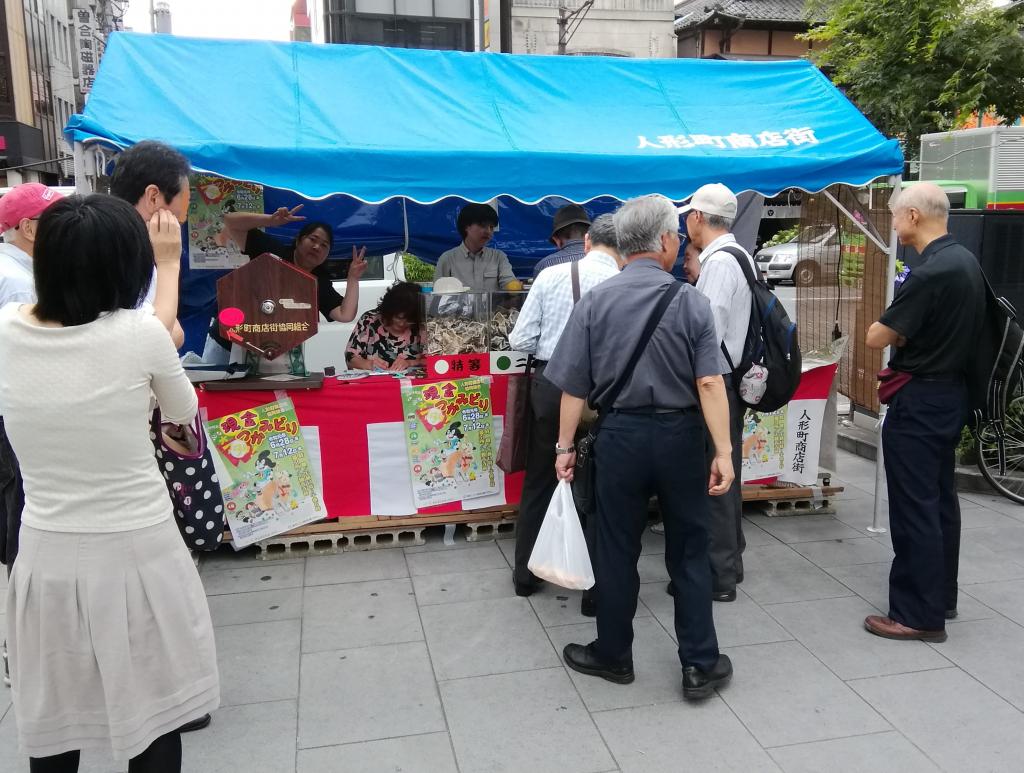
549,304
722,281
17,284
76,407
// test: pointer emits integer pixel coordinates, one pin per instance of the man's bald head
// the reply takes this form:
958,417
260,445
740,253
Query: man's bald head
928,199
919,214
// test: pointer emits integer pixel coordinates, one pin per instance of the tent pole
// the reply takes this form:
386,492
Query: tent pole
866,228
405,227
82,183
890,288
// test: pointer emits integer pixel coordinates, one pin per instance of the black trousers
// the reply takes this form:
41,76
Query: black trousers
539,480
161,756
12,500
727,541
638,456
919,438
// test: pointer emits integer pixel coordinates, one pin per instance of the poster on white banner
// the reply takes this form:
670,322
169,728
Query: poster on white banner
784,445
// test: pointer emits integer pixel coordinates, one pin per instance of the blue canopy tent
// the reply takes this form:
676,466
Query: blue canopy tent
387,143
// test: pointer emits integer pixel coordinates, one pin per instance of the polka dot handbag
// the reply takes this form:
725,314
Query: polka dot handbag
187,467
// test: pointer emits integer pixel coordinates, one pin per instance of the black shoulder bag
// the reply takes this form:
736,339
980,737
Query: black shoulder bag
583,484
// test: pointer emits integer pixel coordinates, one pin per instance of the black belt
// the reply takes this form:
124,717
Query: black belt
652,410
942,377
539,363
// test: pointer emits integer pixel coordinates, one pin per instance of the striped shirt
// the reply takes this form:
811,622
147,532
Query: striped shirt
722,281
549,304
573,250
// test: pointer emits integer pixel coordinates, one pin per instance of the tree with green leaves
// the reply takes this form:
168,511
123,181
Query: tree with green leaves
919,66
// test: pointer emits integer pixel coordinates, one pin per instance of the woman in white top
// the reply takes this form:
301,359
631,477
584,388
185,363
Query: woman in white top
109,632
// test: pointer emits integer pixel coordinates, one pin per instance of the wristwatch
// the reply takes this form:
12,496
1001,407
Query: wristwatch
559,450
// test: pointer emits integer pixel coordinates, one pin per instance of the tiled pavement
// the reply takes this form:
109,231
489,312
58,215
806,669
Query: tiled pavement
424,660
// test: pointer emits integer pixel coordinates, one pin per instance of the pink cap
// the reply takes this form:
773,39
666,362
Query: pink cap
26,200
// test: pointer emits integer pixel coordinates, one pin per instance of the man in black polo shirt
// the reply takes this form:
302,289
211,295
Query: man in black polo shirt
932,326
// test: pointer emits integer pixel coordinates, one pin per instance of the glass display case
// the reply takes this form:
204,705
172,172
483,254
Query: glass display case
504,311
457,323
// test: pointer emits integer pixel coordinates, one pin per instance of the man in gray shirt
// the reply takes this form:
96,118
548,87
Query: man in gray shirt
651,442
477,266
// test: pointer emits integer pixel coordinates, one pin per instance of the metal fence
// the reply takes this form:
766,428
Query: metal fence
841,277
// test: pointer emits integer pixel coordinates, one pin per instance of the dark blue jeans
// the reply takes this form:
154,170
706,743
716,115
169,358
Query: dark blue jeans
638,456
919,441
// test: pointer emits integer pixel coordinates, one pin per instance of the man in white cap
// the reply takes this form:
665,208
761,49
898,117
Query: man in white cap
708,220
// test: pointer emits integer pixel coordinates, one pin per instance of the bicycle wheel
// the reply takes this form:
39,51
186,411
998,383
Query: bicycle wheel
1007,477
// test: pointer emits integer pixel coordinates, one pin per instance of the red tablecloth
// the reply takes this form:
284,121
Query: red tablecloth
342,410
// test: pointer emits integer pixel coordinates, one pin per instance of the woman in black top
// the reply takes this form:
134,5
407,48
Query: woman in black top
309,252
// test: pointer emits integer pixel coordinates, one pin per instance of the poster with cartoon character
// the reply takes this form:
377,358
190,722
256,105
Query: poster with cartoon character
784,445
450,439
264,470
212,197
764,444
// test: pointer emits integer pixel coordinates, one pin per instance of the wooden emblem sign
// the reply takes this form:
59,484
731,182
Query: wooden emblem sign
268,306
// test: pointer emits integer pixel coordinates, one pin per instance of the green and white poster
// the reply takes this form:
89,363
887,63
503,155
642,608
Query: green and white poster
264,470
211,198
449,435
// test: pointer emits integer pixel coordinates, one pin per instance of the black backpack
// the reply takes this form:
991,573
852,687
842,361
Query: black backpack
995,370
771,342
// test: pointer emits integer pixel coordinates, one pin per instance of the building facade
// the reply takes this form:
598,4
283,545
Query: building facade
43,65
460,25
633,28
300,27
741,29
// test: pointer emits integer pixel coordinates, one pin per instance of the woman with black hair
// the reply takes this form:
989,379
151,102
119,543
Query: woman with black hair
390,336
308,251
477,266
109,633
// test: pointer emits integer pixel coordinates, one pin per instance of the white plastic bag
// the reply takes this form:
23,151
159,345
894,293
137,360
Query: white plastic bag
754,384
560,553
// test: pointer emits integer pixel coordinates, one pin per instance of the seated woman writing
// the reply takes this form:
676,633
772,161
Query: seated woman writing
389,337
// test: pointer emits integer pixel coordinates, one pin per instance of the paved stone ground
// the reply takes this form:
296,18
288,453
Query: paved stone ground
424,660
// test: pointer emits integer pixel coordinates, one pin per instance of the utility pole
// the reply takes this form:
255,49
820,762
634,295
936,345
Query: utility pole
569,22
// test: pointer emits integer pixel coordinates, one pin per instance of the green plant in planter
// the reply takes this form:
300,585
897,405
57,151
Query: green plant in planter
417,270
967,449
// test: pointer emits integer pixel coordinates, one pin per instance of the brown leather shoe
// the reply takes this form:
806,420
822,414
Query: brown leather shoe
888,628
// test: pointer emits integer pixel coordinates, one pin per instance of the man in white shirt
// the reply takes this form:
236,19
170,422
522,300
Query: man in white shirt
708,219
152,176
19,213
537,331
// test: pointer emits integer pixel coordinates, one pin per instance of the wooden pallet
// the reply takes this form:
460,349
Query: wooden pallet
373,532
791,500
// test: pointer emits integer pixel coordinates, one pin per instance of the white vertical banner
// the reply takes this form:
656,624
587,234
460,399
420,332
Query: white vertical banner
86,45
784,445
